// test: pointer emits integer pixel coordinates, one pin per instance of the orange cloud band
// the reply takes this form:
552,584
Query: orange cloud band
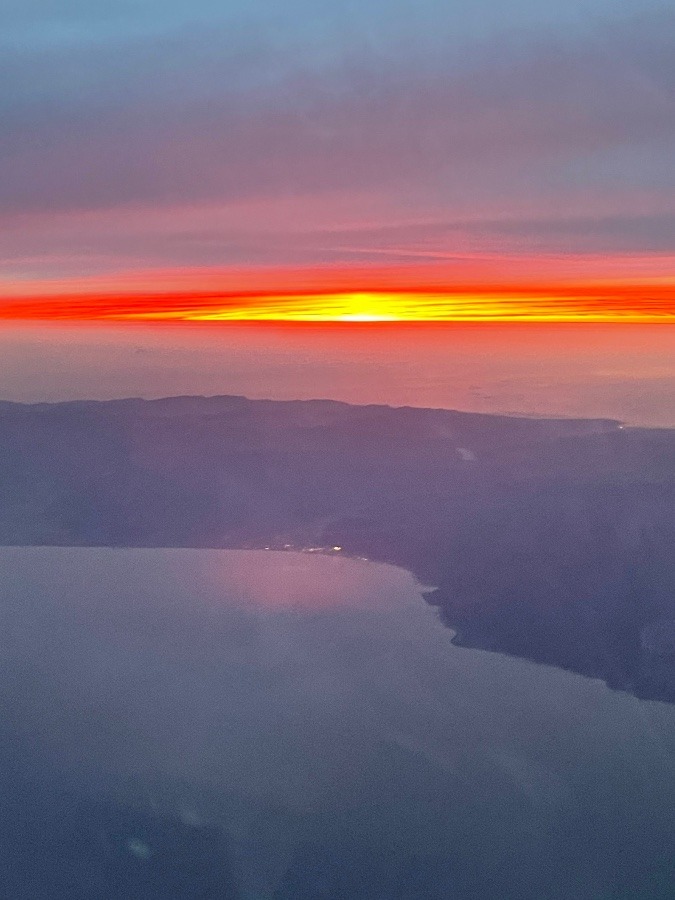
568,303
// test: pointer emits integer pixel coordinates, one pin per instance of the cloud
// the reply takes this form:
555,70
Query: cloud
535,141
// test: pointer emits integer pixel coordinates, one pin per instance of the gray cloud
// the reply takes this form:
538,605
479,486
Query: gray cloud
100,114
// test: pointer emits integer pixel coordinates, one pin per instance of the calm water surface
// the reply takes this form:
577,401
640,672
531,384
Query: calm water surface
279,725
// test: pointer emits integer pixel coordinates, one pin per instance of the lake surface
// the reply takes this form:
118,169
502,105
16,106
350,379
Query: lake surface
268,726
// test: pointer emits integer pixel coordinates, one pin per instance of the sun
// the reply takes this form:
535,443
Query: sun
360,307
583,303
332,307
366,317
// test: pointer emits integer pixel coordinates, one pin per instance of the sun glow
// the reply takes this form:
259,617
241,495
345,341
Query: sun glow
581,303
343,307
404,306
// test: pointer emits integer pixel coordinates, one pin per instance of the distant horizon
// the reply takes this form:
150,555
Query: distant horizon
379,160
620,371
594,302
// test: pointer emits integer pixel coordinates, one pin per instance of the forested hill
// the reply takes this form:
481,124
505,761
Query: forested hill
549,539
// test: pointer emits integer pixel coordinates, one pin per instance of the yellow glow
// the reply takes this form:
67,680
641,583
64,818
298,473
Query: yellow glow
367,317
584,303
410,306
349,307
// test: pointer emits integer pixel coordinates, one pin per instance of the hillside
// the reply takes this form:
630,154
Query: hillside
547,539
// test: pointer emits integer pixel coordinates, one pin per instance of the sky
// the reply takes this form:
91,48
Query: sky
367,159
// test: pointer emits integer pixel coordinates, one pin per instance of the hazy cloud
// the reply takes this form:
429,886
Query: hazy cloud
548,128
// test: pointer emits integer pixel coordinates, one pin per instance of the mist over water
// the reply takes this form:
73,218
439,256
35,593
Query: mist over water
619,371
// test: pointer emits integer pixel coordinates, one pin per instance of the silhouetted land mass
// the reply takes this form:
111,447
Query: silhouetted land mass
552,540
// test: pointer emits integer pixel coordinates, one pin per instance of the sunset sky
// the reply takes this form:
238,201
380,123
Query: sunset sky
359,160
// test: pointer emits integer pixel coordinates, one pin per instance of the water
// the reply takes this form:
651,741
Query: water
625,372
283,725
